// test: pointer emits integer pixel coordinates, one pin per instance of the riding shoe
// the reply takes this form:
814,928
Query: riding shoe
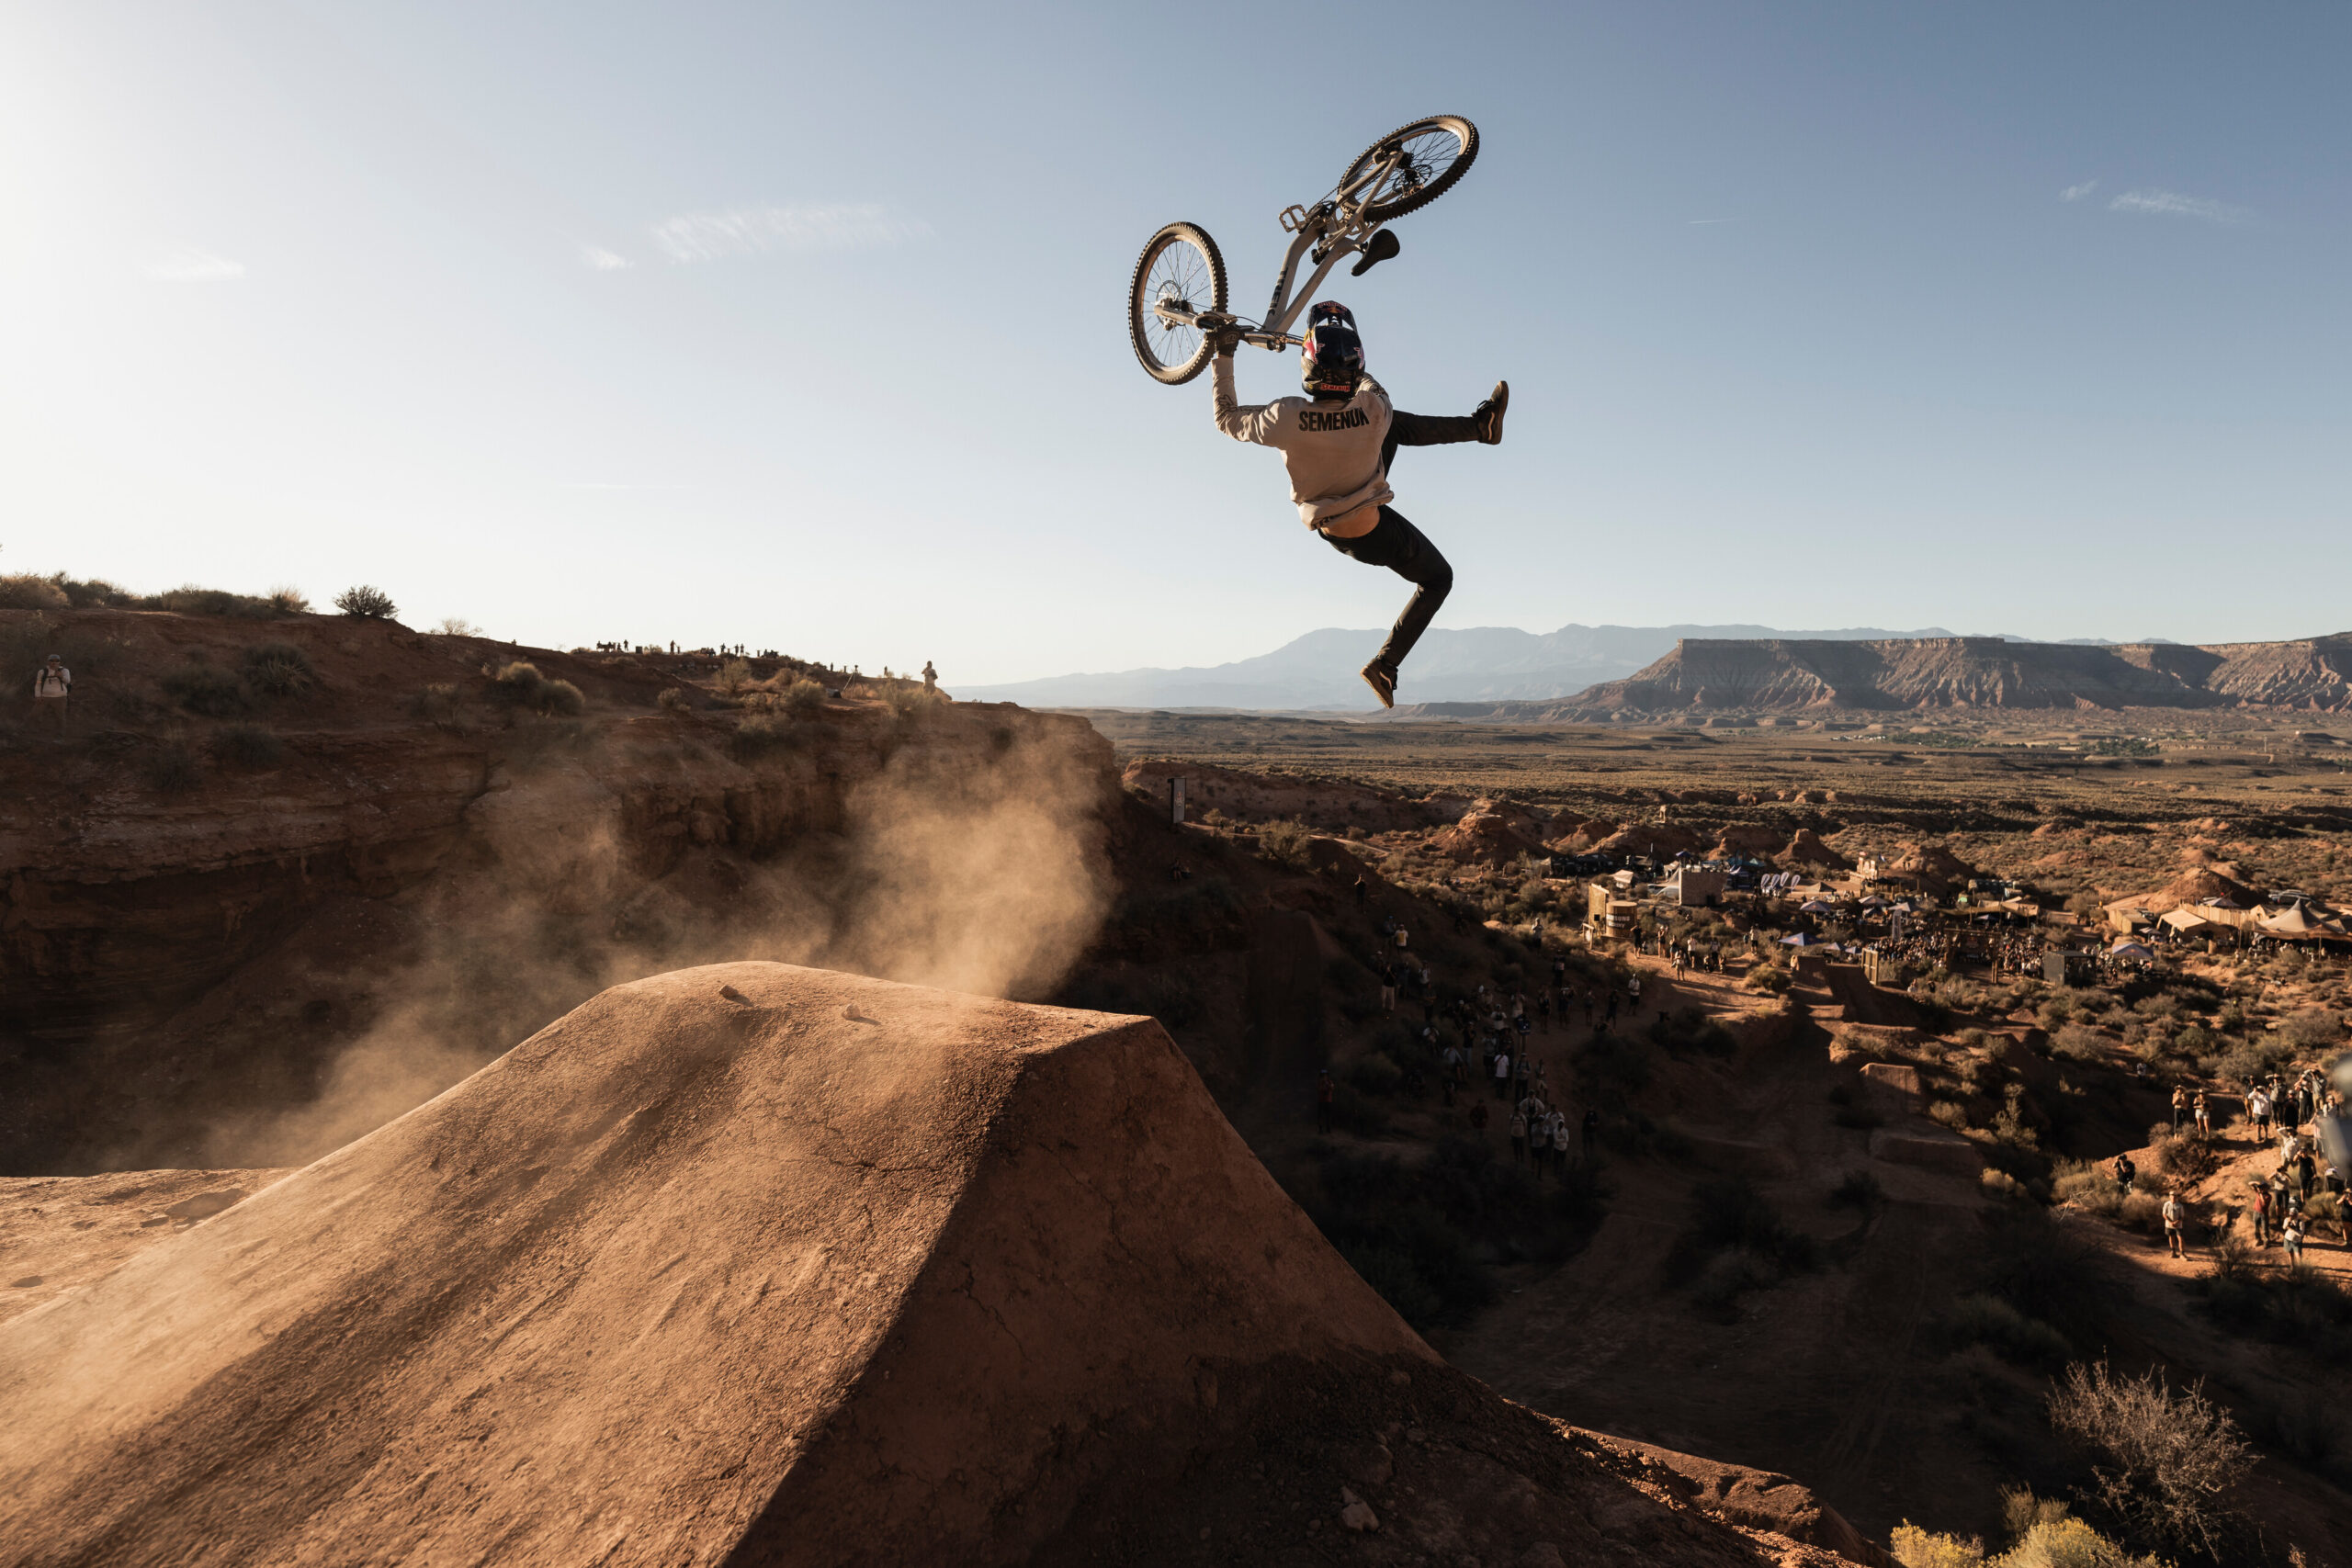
1382,684
1490,414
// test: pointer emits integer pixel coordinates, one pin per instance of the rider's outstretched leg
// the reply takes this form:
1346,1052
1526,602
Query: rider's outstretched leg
1405,550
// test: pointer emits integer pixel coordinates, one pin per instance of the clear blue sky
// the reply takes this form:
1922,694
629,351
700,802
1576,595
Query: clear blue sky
803,325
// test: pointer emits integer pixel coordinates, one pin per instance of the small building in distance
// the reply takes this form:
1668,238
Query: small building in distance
1698,886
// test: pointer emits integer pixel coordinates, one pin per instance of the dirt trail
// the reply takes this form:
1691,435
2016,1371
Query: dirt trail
754,1264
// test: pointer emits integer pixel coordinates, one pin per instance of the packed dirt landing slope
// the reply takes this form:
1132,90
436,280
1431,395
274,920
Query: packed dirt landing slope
755,1264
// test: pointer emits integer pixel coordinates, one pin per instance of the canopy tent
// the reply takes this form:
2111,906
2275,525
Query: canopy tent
1813,907
1802,939
2130,950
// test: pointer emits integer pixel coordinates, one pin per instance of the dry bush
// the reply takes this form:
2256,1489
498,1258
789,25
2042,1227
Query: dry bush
2163,1459
674,699
1284,843
1916,1548
1768,978
803,696
437,702
520,685
201,689
288,600
366,602
279,669
762,733
247,746
23,591
2001,1184
172,771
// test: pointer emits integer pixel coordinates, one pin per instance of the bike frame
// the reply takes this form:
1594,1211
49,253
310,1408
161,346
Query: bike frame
1308,227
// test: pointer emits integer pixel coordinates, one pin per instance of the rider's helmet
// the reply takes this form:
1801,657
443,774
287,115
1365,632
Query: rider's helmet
1330,361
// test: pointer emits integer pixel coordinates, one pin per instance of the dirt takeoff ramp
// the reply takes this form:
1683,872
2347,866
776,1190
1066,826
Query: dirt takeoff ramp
753,1263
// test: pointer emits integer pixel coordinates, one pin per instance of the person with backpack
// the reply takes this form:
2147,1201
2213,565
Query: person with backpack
52,693
1338,443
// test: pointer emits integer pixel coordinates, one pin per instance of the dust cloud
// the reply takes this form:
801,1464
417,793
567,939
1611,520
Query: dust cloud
980,876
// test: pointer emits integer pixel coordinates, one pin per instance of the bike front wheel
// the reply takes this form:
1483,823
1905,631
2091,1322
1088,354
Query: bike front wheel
1179,268
1433,155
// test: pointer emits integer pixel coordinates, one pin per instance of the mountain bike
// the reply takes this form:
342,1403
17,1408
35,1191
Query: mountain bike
1177,297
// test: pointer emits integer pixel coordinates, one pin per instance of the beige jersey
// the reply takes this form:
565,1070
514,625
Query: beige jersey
1332,450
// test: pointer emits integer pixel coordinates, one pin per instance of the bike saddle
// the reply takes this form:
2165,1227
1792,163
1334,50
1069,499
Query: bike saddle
1383,247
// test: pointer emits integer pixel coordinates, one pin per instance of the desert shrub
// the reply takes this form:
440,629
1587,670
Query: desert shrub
366,602
2296,1306
190,600
202,689
1768,978
2046,1271
2089,1187
803,696
674,699
1916,1548
23,591
2140,1211
246,746
1734,1241
520,685
93,593
2065,1543
1949,1113
760,734
288,600
2078,1043
278,670
172,770
911,699
2163,1460
2313,1028
2182,1156
1617,1061
437,702
1286,844
2001,1184
1420,1233
1987,1320
1689,1030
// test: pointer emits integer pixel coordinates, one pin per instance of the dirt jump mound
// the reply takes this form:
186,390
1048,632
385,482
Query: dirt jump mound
753,1263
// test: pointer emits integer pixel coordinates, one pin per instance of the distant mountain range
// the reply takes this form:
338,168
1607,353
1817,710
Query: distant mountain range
1782,674
1483,664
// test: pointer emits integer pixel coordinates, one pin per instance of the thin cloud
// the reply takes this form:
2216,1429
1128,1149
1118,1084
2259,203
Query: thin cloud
602,260
751,231
189,265
2172,204
2076,193
1703,222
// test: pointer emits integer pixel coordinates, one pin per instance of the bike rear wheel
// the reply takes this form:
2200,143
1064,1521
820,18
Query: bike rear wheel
1438,151
1180,268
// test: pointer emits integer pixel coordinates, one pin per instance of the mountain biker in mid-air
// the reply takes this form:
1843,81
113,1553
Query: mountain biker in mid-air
1337,442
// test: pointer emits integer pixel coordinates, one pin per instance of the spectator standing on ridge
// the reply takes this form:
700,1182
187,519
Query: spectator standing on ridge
2124,1173
52,692
2257,1111
2204,1117
2176,1218
2179,1104
930,677
1502,1073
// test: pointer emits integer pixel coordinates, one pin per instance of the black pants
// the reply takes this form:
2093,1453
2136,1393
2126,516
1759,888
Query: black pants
1403,548
1398,546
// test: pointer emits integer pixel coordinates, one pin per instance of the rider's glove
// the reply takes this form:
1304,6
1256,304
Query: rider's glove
1223,341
